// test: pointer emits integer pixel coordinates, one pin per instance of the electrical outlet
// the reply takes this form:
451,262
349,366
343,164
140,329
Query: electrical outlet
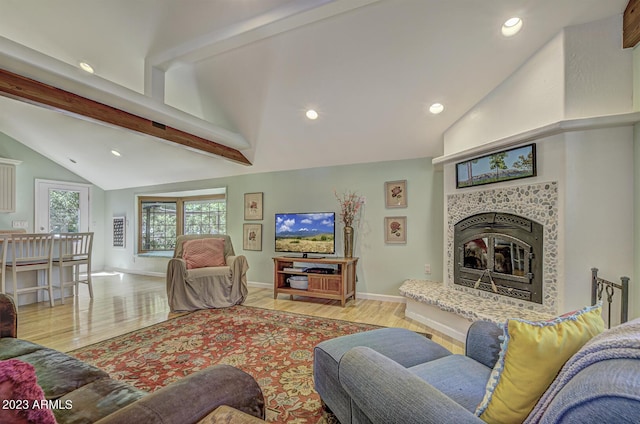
427,269
20,224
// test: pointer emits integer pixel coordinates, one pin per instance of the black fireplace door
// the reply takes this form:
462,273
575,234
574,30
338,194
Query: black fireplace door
495,256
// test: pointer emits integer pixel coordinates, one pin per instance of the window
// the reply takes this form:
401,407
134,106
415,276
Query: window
61,207
64,207
205,216
162,219
158,224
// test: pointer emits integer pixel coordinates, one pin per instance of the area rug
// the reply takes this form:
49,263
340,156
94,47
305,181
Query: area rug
275,347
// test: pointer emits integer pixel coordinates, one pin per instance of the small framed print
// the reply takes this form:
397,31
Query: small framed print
252,236
395,194
253,206
395,229
119,231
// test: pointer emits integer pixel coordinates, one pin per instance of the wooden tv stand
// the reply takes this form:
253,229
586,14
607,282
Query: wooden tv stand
339,285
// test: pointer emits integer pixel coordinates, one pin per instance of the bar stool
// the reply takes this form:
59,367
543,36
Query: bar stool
31,252
74,250
5,236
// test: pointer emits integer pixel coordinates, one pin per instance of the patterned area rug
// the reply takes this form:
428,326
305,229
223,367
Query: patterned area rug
275,347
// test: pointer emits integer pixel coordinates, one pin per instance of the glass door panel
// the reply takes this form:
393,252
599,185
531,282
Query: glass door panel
61,207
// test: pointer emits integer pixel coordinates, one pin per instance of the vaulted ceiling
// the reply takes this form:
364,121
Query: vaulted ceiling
247,70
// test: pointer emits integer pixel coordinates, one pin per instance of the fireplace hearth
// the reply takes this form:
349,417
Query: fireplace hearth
500,253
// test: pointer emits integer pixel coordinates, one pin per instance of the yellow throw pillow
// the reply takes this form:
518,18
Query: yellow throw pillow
532,355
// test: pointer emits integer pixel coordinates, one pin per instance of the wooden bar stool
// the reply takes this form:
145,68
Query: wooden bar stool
31,252
74,250
5,235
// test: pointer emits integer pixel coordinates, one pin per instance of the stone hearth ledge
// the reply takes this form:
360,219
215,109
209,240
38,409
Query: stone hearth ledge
460,308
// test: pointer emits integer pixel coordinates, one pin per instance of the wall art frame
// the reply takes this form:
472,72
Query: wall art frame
119,229
253,210
395,230
505,165
395,194
252,237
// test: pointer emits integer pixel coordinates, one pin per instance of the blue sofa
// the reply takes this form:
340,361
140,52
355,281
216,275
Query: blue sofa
393,375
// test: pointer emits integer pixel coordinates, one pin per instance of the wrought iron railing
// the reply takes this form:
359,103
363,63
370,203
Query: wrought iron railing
600,287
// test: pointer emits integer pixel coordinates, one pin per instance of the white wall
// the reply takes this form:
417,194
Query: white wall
599,202
582,72
531,97
598,72
382,268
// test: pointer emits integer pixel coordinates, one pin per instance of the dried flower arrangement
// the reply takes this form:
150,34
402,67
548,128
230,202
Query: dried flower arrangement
350,206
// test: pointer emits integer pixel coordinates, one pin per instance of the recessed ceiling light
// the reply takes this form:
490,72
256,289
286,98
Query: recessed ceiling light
312,114
511,26
436,108
86,67
116,153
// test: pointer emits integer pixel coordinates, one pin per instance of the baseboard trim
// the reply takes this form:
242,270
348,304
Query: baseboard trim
258,284
359,295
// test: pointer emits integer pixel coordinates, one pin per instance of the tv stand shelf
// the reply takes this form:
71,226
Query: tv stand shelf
339,285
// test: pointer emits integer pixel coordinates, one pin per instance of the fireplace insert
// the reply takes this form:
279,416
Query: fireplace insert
500,253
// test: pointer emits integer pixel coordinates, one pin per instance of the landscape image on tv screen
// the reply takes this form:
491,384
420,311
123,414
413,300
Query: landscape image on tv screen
305,232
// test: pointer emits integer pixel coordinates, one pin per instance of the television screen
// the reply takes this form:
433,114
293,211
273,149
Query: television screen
305,232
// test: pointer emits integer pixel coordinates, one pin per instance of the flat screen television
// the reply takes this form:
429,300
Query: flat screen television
306,233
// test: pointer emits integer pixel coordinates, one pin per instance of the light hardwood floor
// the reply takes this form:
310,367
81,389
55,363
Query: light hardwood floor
126,302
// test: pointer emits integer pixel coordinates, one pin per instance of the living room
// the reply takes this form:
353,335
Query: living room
578,112
383,267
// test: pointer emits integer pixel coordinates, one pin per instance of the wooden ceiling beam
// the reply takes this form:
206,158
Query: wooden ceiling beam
631,24
34,92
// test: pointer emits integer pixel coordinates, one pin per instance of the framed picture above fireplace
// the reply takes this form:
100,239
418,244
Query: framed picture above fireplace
512,164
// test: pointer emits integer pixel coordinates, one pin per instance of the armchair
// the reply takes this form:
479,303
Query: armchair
209,286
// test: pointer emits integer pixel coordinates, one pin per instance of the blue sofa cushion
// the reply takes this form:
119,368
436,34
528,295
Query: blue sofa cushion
457,376
406,347
401,345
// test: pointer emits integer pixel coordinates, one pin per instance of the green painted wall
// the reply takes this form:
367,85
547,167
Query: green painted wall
634,288
382,268
35,166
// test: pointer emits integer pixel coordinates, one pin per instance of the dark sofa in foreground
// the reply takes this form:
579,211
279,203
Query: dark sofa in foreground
95,396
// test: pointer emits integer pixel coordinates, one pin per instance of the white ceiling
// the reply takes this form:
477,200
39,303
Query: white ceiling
252,67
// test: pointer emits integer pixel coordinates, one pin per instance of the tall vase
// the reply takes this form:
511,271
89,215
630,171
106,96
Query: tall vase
348,241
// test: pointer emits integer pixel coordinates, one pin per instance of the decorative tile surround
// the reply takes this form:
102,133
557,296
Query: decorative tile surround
538,202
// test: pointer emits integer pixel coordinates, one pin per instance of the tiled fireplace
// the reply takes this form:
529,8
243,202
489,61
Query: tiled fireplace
499,253
520,222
